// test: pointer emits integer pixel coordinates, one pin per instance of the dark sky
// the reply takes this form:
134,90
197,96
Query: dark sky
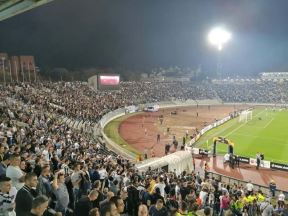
150,33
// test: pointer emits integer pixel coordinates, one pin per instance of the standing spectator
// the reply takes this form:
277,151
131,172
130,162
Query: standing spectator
161,185
272,187
39,206
119,204
2,151
84,205
61,192
249,187
7,204
76,179
237,160
266,208
158,138
4,164
133,199
109,209
15,173
158,209
107,200
258,160
94,212
224,203
143,210
97,187
26,195
44,186
281,200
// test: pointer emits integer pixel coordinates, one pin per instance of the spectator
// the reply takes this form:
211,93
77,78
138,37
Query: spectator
14,172
44,186
4,164
39,206
158,209
119,204
109,210
61,192
143,210
266,208
272,187
281,200
249,187
94,212
84,205
26,195
6,200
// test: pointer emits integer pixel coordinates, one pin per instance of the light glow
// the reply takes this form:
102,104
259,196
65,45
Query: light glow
218,37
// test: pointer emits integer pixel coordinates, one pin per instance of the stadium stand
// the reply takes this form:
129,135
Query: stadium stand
47,129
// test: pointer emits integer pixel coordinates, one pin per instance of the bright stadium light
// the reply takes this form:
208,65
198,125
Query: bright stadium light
218,37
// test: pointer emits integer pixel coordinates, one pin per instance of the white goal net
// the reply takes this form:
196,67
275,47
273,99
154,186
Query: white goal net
245,116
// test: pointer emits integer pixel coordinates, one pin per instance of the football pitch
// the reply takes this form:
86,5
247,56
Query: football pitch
267,133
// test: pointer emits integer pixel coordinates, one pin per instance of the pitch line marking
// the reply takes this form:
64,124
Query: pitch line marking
269,122
237,128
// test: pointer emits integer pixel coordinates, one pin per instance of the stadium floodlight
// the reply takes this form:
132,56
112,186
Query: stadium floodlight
218,37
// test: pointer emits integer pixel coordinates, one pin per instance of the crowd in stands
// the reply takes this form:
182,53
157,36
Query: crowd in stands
49,168
255,92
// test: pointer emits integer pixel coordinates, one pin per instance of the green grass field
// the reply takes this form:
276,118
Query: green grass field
269,135
111,130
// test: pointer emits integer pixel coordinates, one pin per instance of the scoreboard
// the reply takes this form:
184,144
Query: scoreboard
108,82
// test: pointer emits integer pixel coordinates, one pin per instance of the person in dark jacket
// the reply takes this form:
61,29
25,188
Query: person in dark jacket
39,206
85,203
26,195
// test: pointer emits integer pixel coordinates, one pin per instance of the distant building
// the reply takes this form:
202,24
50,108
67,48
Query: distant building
17,68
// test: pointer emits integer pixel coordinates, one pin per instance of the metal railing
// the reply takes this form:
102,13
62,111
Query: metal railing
230,180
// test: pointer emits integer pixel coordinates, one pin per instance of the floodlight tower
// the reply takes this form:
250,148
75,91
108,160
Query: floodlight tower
219,36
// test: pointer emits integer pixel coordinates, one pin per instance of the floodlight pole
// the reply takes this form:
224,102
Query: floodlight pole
3,69
219,64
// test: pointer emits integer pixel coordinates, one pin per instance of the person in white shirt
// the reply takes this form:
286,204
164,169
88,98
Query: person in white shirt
281,200
7,197
161,185
15,173
45,154
76,179
249,187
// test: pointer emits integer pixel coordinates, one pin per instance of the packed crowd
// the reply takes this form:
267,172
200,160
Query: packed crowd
255,92
48,168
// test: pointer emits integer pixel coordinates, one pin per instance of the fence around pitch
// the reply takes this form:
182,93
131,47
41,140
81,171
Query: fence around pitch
230,180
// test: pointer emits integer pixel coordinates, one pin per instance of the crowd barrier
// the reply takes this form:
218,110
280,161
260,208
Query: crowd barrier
230,180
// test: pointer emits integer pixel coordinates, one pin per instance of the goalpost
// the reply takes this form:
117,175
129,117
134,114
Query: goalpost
245,116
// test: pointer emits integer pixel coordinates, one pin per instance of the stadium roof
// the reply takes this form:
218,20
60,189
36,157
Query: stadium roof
9,8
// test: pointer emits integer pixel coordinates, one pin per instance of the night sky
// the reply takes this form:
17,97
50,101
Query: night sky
151,33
